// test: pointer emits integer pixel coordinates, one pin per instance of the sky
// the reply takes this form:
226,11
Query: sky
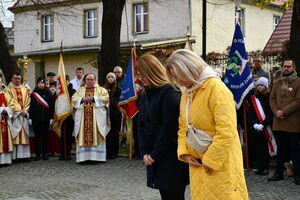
6,16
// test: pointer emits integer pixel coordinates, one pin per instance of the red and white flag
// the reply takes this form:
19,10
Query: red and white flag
267,130
63,107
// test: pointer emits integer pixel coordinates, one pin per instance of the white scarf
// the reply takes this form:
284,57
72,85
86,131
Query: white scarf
207,73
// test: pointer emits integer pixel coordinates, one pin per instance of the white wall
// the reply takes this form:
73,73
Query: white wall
221,25
168,19
68,29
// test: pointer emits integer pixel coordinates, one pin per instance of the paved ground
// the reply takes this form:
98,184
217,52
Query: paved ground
119,179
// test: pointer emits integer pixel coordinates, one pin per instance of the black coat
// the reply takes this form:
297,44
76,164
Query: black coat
157,133
39,113
71,90
253,119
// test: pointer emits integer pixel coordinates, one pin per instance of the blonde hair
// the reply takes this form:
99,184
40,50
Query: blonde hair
187,66
150,67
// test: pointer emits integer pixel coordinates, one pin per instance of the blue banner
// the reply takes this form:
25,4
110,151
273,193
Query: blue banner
128,87
238,76
128,92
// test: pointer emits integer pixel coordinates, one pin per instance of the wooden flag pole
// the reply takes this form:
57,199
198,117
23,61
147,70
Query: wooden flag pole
65,142
130,138
246,135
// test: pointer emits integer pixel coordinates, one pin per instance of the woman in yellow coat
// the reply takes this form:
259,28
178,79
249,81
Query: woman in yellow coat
218,172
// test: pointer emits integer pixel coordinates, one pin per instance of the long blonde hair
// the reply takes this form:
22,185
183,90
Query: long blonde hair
150,67
187,66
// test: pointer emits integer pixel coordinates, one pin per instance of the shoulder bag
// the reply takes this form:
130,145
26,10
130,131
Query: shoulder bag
196,138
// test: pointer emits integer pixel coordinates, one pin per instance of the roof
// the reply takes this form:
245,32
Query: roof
280,35
25,5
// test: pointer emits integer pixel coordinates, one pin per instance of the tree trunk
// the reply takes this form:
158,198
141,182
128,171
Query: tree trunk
109,56
7,64
295,35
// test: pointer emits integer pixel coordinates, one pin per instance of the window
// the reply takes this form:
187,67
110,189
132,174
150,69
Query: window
91,23
47,28
276,20
240,14
141,19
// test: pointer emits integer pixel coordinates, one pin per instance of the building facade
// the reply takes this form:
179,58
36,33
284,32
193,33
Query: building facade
41,29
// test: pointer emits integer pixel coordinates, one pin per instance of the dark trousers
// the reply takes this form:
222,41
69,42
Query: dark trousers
288,143
261,151
41,130
251,149
112,143
66,137
173,194
135,137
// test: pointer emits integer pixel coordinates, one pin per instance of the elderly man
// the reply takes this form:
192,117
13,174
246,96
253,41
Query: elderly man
76,82
20,127
285,104
119,75
258,70
91,120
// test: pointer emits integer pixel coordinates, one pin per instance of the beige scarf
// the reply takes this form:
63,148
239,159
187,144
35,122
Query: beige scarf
284,81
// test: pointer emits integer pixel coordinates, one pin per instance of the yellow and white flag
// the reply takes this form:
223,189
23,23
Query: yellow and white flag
63,107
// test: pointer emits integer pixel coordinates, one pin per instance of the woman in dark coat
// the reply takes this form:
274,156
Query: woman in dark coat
112,138
157,130
260,141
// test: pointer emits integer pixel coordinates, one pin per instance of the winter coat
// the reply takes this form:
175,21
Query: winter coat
288,101
114,112
157,133
253,119
39,113
213,111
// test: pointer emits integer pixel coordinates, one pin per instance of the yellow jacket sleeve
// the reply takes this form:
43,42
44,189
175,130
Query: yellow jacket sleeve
182,146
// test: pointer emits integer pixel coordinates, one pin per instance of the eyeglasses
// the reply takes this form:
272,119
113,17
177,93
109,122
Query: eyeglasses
287,66
117,72
257,60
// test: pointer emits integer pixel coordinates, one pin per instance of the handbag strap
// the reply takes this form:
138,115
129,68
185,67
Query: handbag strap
187,108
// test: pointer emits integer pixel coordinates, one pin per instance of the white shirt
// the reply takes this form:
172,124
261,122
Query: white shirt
76,83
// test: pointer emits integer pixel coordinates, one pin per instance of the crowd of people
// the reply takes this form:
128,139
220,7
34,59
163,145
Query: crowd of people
273,120
186,129
27,118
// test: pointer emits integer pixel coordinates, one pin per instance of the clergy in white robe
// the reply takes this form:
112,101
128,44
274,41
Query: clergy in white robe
6,143
91,120
20,126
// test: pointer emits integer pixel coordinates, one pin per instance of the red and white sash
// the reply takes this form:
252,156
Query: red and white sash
40,100
267,130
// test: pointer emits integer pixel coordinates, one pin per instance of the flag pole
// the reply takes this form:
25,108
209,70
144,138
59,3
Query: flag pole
246,134
131,121
64,128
